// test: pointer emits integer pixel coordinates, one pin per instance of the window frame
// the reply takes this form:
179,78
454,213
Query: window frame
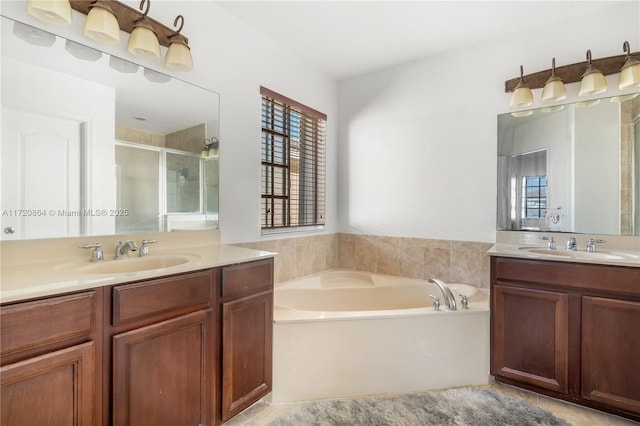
291,122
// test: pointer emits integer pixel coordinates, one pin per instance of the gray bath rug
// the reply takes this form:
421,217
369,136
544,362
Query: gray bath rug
453,407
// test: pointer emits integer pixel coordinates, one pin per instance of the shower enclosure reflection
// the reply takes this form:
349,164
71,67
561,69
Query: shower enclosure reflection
169,195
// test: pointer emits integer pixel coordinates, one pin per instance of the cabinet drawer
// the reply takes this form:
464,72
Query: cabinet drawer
48,321
157,298
246,278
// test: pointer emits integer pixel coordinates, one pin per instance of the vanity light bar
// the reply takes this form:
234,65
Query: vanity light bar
571,73
127,18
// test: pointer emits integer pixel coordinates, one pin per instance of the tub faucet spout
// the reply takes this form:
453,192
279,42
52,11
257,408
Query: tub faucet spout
449,298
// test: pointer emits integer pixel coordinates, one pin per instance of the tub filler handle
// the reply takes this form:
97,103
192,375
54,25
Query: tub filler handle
436,302
464,302
449,298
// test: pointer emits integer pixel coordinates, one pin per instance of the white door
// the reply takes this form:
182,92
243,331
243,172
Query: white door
41,159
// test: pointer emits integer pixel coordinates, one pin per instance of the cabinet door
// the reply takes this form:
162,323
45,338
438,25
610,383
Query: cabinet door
163,373
247,328
52,389
530,336
611,352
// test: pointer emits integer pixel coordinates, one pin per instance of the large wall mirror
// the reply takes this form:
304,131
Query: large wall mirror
571,168
93,144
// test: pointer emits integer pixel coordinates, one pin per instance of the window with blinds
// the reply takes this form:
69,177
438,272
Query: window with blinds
293,163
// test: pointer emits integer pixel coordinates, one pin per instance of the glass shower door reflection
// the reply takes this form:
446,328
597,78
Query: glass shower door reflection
183,183
137,189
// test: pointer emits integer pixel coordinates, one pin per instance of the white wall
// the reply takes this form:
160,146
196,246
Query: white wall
417,142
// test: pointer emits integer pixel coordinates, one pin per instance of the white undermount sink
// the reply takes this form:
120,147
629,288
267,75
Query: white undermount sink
580,254
132,264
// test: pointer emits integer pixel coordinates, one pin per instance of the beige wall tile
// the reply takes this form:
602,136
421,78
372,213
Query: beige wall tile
365,254
466,266
387,255
437,264
411,260
346,254
448,260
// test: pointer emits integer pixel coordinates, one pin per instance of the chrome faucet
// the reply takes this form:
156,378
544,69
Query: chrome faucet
591,245
449,298
122,250
571,244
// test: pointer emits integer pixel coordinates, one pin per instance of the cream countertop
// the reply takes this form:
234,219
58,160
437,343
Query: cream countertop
623,250
36,268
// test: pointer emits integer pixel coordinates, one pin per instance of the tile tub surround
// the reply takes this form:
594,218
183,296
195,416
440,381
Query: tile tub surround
449,260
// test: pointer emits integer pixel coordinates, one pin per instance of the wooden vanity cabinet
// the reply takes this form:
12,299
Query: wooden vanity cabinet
611,352
568,330
531,338
48,351
186,349
162,357
246,302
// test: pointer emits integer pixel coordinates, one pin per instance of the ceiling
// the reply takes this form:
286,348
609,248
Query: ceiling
348,38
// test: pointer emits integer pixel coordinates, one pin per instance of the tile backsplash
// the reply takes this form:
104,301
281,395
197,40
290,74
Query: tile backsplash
449,260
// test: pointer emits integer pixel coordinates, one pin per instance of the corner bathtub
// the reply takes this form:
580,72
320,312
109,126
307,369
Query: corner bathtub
345,334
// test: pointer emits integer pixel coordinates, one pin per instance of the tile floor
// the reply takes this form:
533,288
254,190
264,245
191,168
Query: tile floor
263,413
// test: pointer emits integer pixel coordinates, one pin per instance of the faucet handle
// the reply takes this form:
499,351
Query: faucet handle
144,248
591,245
551,245
464,301
97,254
436,302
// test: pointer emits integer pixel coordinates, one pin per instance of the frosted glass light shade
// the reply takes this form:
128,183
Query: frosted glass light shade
144,42
101,25
51,11
630,75
179,57
522,97
592,83
554,91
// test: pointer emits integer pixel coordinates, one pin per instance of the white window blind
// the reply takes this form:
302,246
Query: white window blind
293,163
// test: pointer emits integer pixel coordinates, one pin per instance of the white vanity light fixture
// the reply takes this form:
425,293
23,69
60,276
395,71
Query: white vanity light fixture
522,96
143,40
592,81
56,12
101,24
179,54
554,89
630,72
106,18
590,74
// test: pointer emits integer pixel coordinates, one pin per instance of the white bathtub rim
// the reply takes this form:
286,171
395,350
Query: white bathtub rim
479,305
300,281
